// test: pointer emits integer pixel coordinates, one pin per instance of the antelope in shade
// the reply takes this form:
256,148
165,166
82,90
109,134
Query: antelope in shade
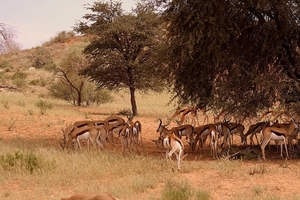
190,115
173,145
208,131
224,130
178,112
179,131
253,130
277,133
236,128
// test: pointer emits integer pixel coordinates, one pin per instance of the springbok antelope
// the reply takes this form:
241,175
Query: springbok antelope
179,131
214,134
278,134
99,196
224,130
190,115
208,131
128,135
110,127
236,128
90,133
177,113
201,134
115,120
79,124
173,145
138,127
253,130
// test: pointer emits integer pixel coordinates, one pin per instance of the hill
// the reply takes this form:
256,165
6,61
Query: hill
31,70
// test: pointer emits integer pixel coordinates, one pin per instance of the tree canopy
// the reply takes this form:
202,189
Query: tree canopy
238,56
121,54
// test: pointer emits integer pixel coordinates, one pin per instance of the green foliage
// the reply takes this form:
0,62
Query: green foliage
90,94
3,78
4,64
238,57
61,37
19,75
43,106
59,90
202,195
19,82
19,79
42,58
122,55
125,112
22,162
38,82
177,191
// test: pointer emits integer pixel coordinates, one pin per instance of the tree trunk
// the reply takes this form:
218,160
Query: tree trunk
133,102
79,94
79,98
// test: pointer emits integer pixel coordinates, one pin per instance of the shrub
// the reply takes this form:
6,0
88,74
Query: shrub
20,162
43,106
125,112
38,82
61,37
42,58
177,191
19,75
4,64
19,82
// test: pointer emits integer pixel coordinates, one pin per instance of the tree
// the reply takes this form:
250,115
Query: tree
122,52
237,56
71,63
7,39
73,86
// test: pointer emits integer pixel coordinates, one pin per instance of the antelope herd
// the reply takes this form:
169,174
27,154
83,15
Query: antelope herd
220,134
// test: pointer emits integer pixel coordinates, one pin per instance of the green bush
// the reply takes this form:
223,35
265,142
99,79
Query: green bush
4,64
42,58
19,75
61,37
43,106
177,191
38,82
19,82
125,112
21,162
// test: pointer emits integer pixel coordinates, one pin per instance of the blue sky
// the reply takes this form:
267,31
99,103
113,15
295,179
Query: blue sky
36,21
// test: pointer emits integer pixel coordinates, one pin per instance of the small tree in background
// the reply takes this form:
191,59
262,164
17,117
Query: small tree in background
73,86
42,59
71,63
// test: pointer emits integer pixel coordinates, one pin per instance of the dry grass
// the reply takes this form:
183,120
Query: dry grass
33,165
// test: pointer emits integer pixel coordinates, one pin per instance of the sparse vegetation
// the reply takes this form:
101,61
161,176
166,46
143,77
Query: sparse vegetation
177,191
61,37
43,106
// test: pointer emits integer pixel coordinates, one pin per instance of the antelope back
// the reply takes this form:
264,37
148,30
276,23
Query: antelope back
115,120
